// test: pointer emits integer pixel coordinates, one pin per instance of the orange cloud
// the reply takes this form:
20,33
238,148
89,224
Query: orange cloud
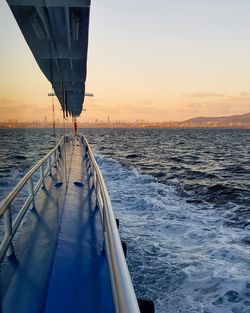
202,94
225,105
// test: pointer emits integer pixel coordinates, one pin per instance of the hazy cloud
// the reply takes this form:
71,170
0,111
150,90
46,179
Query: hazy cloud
146,106
202,94
146,102
244,94
11,109
6,105
143,107
228,105
94,105
6,102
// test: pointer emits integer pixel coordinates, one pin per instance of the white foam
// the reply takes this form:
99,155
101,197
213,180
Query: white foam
181,255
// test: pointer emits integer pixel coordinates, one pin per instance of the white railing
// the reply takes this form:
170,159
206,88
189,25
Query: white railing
122,288
44,166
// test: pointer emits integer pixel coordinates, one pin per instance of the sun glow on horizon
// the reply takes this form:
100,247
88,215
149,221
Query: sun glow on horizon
156,65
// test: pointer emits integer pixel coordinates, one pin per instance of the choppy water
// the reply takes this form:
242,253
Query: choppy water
20,149
183,200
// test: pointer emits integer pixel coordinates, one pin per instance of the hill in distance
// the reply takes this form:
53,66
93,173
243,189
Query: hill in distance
242,119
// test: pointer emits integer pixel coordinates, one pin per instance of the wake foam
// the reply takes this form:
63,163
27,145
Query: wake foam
181,255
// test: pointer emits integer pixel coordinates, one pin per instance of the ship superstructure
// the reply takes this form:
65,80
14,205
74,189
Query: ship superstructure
57,34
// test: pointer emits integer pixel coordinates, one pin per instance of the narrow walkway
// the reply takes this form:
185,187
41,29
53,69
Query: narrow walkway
60,265
80,279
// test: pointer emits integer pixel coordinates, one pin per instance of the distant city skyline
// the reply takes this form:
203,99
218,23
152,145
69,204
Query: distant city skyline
234,121
157,61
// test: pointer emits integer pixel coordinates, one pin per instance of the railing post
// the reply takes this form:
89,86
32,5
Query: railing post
94,179
31,187
55,160
42,175
103,224
91,175
88,165
104,216
8,229
97,204
50,169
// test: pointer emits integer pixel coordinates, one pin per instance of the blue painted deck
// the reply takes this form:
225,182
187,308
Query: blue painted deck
60,264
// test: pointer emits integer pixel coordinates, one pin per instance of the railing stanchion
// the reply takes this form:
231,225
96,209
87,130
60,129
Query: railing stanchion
123,292
8,229
5,205
104,216
42,175
95,180
31,187
94,177
55,160
50,169
97,204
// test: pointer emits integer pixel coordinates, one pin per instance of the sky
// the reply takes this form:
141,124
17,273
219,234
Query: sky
155,60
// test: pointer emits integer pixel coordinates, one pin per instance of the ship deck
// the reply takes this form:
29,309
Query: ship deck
60,264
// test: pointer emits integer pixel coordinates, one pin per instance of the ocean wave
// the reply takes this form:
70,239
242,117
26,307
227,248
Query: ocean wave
180,254
19,157
183,204
133,156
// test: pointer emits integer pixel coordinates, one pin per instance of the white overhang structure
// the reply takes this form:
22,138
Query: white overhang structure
57,34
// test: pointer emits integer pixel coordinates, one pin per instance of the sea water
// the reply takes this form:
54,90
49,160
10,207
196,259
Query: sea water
183,200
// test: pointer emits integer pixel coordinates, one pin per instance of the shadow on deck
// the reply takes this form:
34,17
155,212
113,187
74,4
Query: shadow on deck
60,265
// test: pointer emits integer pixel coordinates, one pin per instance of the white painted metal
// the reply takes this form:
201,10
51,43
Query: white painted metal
32,192
123,291
11,227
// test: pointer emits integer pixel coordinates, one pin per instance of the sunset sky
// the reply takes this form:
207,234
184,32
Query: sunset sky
153,60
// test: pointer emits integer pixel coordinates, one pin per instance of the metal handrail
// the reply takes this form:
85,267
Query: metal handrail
122,288
11,227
